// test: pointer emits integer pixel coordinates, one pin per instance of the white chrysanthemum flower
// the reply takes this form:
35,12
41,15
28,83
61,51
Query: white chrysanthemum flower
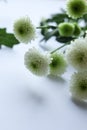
24,30
76,8
78,85
37,62
58,64
76,54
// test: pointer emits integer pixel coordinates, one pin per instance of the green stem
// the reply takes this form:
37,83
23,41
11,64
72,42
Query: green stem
48,26
58,48
41,27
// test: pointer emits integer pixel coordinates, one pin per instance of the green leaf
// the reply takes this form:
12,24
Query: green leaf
85,17
50,34
65,40
58,18
49,25
7,39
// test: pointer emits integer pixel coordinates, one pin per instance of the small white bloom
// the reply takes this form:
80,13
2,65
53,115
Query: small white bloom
37,62
78,85
76,8
24,30
76,54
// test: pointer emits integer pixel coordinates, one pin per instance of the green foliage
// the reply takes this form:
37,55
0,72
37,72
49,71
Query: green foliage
49,27
65,40
7,39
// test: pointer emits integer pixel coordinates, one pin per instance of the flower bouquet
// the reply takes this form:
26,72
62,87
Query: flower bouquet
69,29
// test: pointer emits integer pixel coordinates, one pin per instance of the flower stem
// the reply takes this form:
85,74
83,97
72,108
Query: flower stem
58,48
46,26
41,27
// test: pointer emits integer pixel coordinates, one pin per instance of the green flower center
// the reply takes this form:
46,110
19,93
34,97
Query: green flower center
34,65
75,8
21,30
68,30
80,57
54,63
83,87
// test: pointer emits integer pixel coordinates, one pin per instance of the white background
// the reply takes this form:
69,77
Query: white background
28,102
